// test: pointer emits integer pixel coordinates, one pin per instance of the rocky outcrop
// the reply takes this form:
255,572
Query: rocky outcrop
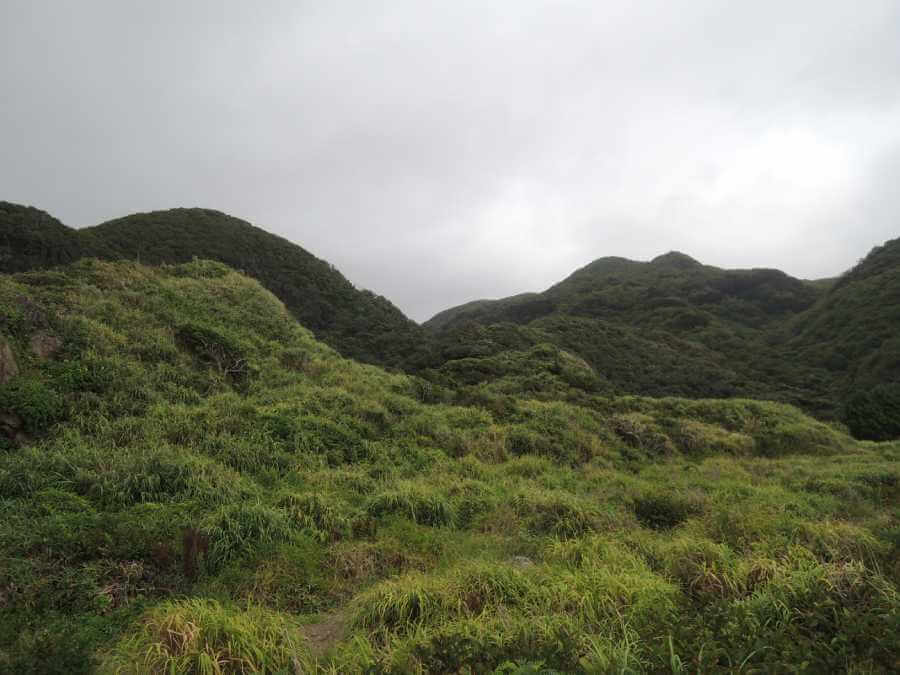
44,344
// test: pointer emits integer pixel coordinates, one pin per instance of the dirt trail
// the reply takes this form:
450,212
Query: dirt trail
325,633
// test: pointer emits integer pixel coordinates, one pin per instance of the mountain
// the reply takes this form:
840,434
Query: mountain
190,482
668,327
671,326
357,323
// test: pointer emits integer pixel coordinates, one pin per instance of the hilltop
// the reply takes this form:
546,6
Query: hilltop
191,482
360,324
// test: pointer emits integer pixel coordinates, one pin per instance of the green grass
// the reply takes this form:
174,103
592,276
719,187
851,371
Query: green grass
358,520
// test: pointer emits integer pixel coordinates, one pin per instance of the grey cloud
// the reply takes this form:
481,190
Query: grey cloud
438,152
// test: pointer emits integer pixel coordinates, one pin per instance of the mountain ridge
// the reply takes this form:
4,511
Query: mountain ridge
670,326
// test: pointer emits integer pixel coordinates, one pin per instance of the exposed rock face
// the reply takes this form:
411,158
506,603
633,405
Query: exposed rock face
44,345
8,367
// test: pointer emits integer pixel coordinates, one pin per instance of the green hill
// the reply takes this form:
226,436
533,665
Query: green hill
672,326
852,336
191,483
359,324
667,327
31,239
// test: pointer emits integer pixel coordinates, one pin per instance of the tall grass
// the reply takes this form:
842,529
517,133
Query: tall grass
511,535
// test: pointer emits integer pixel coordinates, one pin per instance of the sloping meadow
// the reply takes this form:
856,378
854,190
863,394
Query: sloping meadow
190,483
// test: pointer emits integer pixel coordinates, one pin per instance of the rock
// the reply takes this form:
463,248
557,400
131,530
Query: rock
44,345
8,367
13,427
520,561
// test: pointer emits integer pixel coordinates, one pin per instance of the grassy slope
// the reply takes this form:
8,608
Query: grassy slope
353,526
360,324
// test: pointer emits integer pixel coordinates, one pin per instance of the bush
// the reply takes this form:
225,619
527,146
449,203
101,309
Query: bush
215,348
241,529
314,515
203,636
874,414
38,404
420,506
555,513
663,510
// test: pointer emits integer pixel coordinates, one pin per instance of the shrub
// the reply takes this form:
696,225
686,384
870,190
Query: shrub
641,432
240,529
420,506
397,606
663,510
555,513
313,514
216,348
203,636
874,414
38,404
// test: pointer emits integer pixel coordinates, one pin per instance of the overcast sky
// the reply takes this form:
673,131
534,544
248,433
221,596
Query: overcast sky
439,152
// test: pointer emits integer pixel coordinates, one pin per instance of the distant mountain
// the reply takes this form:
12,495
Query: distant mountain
358,323
673,326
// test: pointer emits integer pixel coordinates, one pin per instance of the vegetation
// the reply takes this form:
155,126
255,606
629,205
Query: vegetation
674,327
341,518
668,327
360,324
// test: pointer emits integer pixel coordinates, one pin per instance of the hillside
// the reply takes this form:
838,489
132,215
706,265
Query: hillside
190,482
673,326
670,326
31,239
852,335
359,324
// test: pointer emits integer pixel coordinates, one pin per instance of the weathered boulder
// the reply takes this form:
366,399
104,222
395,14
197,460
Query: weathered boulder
8,366
44,344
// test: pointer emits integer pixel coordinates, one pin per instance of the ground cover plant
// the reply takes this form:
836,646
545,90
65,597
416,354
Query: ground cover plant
189,482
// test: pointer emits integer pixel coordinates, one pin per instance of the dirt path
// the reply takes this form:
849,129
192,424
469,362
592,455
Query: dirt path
325,633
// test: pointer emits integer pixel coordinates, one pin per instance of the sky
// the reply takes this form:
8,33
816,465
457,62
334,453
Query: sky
438,152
